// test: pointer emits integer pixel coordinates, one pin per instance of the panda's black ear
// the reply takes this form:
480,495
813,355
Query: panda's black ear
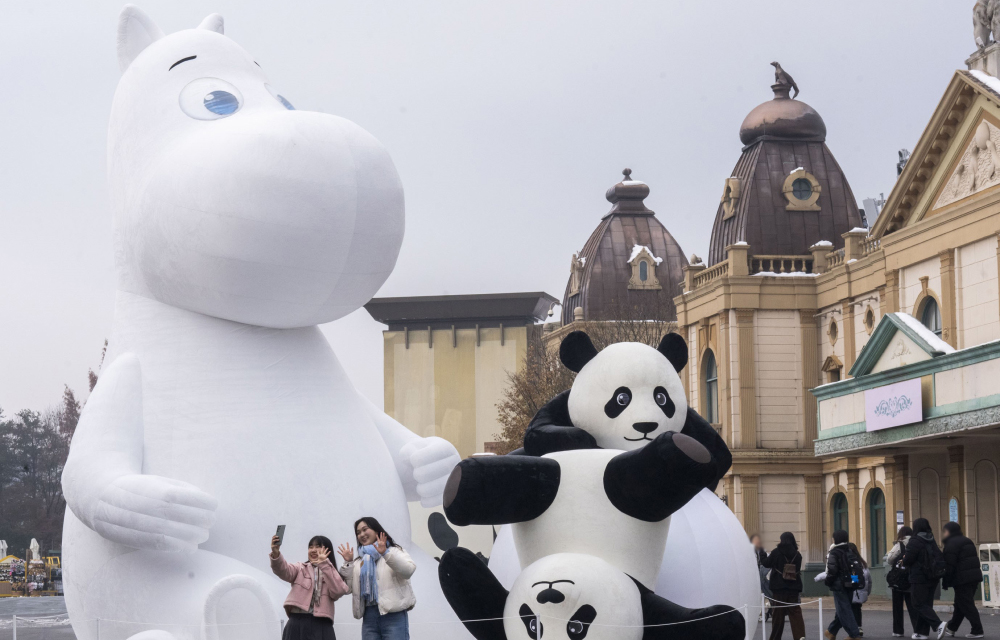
576,350
675,349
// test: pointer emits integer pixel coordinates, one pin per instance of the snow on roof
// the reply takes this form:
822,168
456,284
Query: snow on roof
987,79
925,334
858,230
741,243
823,243
637,249
629,183
785,275
795,169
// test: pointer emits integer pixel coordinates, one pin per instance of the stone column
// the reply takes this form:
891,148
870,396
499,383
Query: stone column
847,313
725,392
751,504
728,484
810,374
892,291
814,519
748,390
949,315
890,502
956,482
853,506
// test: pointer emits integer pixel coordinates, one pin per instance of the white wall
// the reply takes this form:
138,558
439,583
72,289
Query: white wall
778,371
977,293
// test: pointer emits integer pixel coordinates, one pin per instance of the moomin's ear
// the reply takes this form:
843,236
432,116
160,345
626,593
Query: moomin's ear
214,23
674,348
576,350
136,31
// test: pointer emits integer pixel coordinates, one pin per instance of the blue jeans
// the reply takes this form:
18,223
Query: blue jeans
391,626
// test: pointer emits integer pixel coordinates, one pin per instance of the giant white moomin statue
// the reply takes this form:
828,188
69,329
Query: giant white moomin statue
221,411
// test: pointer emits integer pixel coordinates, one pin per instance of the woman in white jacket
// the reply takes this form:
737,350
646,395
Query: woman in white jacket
379,578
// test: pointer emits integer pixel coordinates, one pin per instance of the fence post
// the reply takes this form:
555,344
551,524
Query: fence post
14,626
820,617
763,617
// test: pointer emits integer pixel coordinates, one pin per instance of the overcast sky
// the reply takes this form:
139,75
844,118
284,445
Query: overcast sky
507,122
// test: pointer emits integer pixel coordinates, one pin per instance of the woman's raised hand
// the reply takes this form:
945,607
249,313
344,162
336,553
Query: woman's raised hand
346,552
321,555
275,545
380,544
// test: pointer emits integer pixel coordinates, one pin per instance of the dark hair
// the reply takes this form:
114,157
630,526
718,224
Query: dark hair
854,548
840,536
787,541
921,525
754,535
323,541
903,532
374,525
953,528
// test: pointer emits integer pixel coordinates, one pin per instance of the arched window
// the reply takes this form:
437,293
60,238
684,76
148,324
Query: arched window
876,524
930,317
710,375
643,271
840,512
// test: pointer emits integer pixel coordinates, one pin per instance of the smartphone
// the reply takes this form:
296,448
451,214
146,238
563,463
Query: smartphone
280,533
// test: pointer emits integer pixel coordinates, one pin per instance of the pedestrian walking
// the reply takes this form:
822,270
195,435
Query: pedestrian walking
899,582
925,563
315,586
861,595
843,575
380,581
765,586
963,574
785,563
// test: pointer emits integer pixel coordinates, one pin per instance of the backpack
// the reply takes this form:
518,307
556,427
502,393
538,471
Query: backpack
898,578
934,562
789,572
853,577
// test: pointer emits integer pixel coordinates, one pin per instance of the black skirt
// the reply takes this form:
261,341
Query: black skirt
303,626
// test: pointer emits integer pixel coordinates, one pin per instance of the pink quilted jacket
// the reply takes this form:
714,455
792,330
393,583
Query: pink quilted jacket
300,574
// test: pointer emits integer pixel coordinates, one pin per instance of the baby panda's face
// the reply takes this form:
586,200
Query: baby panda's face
629,393
571,596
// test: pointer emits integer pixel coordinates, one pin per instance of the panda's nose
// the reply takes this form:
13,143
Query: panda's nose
645,427
550,595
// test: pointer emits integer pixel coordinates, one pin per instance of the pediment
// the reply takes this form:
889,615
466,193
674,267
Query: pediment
898,340
957,156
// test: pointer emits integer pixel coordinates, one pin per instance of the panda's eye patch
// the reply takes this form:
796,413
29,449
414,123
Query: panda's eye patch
664,402
619,400
531,623
579,623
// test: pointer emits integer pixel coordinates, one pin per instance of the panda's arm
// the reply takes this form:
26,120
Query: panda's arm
474,593
665,620
500,490
552,430
699,429
655,481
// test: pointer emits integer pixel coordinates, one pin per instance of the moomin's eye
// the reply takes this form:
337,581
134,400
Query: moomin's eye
210,99
280,98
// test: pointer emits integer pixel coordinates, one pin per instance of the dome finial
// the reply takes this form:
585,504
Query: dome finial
627,173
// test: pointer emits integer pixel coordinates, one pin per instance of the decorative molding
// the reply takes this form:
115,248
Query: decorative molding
748,387
796,204
576,266
751,503
879,342
810,376
869,320
949,314
730,197
976,169
850,352
642,257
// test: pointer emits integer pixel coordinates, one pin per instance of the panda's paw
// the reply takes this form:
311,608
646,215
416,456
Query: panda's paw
686,455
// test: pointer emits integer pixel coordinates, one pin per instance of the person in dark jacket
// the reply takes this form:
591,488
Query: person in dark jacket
784,561
917,559
765,587
900,592
837,566
963,575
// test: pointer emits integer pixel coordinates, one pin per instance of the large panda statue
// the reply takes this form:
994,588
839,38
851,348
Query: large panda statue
614,398
603,502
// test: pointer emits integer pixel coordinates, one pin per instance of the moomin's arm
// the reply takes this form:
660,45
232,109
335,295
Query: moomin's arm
103,480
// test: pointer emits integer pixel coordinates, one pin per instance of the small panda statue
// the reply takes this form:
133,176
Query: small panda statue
573,596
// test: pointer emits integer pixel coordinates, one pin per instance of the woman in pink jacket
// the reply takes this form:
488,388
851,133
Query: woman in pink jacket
316,584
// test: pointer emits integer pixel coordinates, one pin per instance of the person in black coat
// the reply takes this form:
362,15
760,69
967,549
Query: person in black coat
785,560
837,567
963,575
917,559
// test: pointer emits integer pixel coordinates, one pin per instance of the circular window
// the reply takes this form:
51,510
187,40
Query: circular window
802,189
833,332
869,320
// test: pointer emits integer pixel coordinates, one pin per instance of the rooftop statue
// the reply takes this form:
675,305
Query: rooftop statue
782,77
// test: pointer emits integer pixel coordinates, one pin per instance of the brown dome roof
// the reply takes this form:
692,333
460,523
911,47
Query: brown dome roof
783,117
603,280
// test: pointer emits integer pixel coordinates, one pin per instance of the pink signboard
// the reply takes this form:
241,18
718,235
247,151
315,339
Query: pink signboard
893,405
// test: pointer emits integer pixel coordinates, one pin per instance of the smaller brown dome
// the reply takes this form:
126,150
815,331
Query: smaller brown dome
783,117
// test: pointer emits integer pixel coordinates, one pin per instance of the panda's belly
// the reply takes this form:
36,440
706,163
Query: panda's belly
581,519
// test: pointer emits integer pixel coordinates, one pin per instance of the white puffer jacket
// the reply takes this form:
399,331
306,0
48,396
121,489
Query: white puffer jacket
392,573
